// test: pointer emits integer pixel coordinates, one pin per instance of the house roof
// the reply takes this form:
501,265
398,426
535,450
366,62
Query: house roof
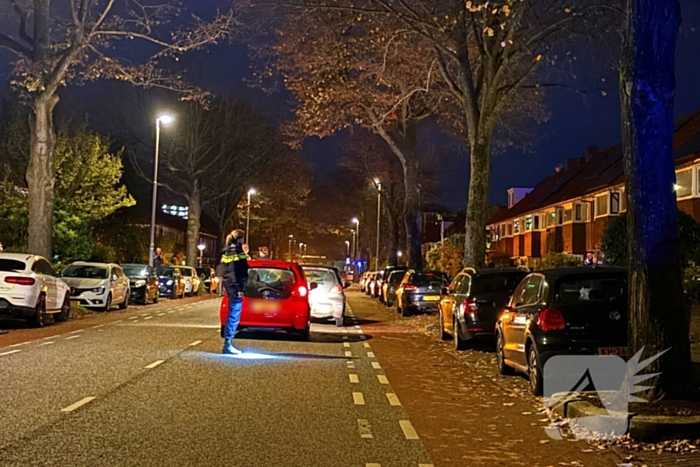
597,170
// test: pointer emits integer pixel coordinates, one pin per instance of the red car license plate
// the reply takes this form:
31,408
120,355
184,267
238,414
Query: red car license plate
265,306
618,351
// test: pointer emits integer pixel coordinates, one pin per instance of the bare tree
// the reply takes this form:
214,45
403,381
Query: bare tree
73,40
658,320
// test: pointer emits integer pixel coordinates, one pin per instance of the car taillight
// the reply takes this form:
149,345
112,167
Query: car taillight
302,291
409,287
469,308
20,280
550,319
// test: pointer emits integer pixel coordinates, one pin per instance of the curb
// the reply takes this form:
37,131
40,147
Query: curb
644,428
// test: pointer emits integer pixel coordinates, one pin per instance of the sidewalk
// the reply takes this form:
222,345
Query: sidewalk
465,413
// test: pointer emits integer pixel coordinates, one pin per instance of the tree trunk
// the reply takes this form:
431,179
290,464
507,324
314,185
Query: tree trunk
478,202
41,176
657,316
411,212
392,235
193,225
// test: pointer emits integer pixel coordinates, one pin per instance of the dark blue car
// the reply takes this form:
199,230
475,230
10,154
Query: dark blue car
171,284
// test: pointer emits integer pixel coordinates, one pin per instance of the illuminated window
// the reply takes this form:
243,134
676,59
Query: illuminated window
568,215
615,202
601,205
528,223
516,226
684,184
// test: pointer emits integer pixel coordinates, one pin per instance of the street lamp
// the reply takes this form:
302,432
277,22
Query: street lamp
379,215
201,247
164,120
354,245
291,238
356,221
347,248
251,192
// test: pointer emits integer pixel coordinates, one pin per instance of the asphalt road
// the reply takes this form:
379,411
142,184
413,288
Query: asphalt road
152,389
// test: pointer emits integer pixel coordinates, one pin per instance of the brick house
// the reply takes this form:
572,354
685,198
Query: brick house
569,210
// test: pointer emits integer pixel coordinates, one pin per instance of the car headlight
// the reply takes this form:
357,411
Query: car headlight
140,283
170,282
98,290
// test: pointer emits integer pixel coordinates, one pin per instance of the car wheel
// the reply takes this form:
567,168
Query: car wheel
305,334
108,303
533,371
443,335
124,304
459,343
340,322
503,369
64,314
144,302
156,297
405,312
39,318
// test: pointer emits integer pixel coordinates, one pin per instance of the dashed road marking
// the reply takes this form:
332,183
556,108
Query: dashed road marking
370,354
134,317
78,404
148,317
351,364
9,352
366,344
195,343
76,332
346,344
425,465
382,379
354,378
171,311
17,345
393,399
365,428
46,343
98,326
72,337
358,398
373,465
376,366
50,337
154,364
408,431
348,353
160,314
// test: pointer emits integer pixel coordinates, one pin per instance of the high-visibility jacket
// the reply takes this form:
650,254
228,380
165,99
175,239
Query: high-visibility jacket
235,269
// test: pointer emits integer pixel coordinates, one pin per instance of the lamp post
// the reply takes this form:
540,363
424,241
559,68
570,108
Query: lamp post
291,238
165,120
356,221
354,246
347,248
251,192
201,253
379,215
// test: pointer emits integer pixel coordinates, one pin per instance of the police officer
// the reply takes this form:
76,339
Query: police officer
235,272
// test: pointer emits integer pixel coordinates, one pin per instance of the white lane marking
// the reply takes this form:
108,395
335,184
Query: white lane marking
351,364
17,345
366,344
76,332
145,314
171,311
358,398
376,366
348,353
78,404
195,343
46,343
160,314
354,378
98,326
346,344
134,317
9,352
393,399
408,431
50,337
373,465
72,337
148,317
370,354
382,379
365,428
154,364
425,465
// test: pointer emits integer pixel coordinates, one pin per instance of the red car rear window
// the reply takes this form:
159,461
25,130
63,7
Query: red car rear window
269,282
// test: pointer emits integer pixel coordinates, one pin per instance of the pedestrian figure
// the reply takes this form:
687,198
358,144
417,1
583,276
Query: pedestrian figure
590,259
235,270
158,260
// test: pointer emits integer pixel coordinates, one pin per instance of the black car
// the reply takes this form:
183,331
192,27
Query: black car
419,291
469,306
566,311
384,281
143,281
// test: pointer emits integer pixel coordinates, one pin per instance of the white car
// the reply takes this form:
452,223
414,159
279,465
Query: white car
192,280
97,285
327,300
30,289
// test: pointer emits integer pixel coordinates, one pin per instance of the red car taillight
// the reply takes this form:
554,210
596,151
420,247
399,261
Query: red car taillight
20,280
302,291
470,309
409,287
550,319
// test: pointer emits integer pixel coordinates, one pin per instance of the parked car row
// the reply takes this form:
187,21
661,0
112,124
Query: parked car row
408,290
31,289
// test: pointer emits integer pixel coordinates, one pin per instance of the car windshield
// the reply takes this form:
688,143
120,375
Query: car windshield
11,265
587,289
428,278
136,271
187,272
494,283
86,272
396,277
269,283
320,276
167,272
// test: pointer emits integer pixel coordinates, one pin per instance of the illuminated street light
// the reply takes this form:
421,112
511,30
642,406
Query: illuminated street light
164,120
356,221
201,248
251,192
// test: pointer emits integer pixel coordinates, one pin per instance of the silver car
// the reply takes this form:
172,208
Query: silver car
328,299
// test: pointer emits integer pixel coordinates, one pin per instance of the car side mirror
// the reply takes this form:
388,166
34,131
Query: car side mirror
313,286
114,278
347,284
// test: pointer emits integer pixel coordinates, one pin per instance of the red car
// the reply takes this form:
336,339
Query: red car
276,297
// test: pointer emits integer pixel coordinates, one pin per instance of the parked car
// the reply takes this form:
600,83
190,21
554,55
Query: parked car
419,291
276,297
97,285
384,295
207,276
470,305
371,283
363,281
143,282
566,311
30,289
191,280
171,284
327,300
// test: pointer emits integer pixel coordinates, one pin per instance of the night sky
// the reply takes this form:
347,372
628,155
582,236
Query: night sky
578,120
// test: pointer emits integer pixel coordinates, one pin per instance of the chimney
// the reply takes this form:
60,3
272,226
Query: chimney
591,152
